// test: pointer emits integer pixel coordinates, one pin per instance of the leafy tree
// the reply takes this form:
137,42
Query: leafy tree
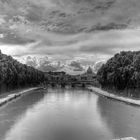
121,71
14,74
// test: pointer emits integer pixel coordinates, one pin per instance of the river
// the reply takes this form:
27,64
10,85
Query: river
67,114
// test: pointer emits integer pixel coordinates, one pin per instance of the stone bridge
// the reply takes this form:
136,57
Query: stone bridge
82,83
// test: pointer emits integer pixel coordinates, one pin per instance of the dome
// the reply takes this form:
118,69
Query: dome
89,70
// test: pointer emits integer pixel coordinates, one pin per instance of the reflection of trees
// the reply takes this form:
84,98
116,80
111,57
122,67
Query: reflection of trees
123,120
10,113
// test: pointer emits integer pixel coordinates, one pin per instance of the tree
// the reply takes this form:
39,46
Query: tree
121,71
14,74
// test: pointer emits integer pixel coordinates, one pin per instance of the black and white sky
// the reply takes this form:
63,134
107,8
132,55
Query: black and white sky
87,31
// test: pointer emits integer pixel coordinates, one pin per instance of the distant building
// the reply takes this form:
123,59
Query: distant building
89,75
89,70
56,76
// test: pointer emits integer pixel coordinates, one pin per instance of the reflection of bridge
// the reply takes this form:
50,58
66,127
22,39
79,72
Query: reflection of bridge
82,83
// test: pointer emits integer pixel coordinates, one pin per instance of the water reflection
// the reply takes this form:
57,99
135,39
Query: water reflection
69,115
122,119
10,113
61,115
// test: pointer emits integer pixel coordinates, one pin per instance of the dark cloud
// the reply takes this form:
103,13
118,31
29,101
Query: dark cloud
79,31
72,16
98,49
13,38
35,13
96,44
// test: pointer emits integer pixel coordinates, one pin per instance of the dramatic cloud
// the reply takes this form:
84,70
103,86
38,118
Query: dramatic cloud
83,31
99,45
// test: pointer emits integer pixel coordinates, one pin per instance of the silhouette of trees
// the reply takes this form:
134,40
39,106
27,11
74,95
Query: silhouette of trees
121,71
13,73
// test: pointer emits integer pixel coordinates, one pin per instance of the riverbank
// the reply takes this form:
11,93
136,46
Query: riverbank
15,95
113,96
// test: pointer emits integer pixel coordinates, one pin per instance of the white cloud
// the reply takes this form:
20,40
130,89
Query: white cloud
87,48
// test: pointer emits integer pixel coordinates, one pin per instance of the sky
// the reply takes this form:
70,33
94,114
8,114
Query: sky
68,30
93,46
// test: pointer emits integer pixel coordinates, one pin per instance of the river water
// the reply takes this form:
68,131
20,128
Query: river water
59,114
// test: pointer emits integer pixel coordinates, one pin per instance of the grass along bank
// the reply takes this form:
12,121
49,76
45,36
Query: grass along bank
15,95
113,96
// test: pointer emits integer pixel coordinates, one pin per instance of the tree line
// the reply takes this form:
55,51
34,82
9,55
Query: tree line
121,71
14,74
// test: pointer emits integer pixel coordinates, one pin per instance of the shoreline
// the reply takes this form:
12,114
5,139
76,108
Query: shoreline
113,96
127,138
15,95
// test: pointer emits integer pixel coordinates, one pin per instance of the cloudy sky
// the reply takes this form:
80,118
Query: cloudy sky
87,31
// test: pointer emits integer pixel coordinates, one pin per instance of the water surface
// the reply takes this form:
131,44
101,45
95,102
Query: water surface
59,114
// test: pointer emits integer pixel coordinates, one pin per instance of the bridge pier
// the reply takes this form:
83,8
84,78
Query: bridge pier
83,85
53,84
63,85
72,85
